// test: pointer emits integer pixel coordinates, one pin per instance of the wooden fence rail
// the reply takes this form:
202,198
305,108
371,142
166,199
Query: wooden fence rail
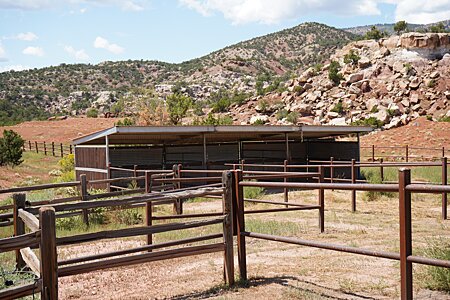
48,148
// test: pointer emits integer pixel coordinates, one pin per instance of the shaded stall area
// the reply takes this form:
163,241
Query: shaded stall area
102,154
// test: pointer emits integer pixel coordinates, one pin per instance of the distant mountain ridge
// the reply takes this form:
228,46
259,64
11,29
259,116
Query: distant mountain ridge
389,27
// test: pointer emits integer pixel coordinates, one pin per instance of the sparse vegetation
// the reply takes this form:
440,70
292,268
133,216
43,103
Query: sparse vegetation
177,106
438,278
372,121
374,34
333,73
400,26
351,58
92,113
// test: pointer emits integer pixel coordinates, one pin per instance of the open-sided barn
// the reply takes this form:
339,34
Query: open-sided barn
210,147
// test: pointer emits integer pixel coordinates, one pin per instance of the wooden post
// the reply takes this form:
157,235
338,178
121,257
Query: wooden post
242,259
36,146
108,169
381,170
29,144
444,182
19,226
53,148
62,151
373,152
70,149
353,182
45,148
404,179
148,206
443,151
331,169
286,191
177,205
321,200
49,263
406,153
228,227
84,197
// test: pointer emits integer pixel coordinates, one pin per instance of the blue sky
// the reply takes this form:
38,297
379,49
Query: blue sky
39,33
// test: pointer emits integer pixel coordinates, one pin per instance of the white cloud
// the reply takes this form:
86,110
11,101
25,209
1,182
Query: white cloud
13,67
129,5
103,43
269,11
35,51
77,54
27,36
423,11
2,52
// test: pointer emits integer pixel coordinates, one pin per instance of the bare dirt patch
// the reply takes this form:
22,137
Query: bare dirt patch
278,271
63,131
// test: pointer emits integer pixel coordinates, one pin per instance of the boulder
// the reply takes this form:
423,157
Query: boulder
371,103
332,114
355,77
364,62
434,75
338,122
259,118
415,83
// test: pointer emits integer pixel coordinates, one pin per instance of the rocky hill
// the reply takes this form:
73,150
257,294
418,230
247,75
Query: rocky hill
71,89
383,83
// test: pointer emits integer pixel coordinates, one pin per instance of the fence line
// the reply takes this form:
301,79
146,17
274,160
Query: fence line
48,148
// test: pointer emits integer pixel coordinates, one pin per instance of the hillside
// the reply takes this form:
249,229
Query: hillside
71,89
384,83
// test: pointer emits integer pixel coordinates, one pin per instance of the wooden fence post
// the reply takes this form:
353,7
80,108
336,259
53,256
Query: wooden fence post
373,152
240,220
45,148
62,151
177,205
443,151
148,206
84,197
19,226
353,182
286,191
444,182
49,263
406,153
404,179
381,170
53,148
29,144
70,149
228,227
36,146
321,200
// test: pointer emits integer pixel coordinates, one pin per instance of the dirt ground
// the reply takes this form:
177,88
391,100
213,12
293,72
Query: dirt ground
63,131
276,270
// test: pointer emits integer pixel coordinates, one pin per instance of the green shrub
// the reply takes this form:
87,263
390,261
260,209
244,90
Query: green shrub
92,113
351,58
259,122
11,148
67,163
177,107
126,122
431,83
438,278
372,121
338,108
253,192
263,105
333,72
221,105
400,26
429,118
298,89
211,120
444,119
374,34
292,117
281,114
373,177
127,216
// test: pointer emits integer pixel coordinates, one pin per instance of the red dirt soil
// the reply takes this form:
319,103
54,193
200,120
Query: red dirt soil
63,131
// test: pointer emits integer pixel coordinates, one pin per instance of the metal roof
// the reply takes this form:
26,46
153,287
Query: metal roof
146,135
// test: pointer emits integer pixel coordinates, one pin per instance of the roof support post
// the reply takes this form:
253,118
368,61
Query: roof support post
205,154
288,154
107,151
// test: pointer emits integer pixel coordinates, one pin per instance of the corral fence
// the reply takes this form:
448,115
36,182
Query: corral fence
48,148
163,187
402,153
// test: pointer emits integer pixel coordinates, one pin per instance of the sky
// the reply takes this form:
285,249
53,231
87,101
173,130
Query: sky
40,33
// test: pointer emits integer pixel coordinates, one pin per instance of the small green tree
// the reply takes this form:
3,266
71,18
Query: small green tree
92,113
374,34
400,26
11,148
438,28
333,72
351,58
177,107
